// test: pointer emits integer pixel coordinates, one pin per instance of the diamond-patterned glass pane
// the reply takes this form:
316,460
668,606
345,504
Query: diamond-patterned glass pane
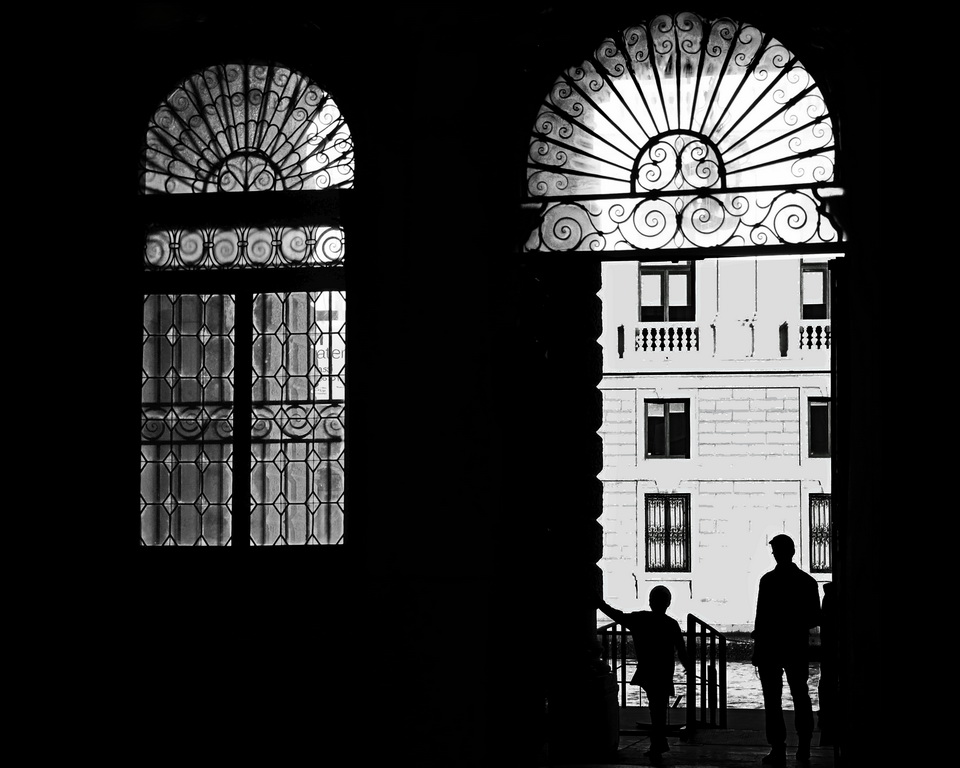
187,349
299,346
186,424
297,473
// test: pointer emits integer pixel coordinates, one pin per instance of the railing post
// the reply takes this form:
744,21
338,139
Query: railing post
623,666
723,681
703,673
691,673
712,679
614,651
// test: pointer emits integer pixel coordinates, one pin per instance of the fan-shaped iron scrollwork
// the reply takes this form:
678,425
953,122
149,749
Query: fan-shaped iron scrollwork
758,116
247,128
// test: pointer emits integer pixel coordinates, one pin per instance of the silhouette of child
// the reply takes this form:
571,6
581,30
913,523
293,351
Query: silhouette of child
655,637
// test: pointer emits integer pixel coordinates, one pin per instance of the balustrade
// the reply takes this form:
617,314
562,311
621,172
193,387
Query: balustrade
672,337
814,337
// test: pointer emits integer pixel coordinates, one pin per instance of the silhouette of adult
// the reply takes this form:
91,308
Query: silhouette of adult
788,606
655,638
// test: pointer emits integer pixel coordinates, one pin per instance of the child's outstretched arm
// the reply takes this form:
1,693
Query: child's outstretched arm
609,610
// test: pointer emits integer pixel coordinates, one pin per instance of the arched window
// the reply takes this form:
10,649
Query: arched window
684,134
243,386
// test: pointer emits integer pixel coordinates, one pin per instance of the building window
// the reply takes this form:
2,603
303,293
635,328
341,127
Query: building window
244,337
667,532
814,291
668,429
667,293
820,525
819,420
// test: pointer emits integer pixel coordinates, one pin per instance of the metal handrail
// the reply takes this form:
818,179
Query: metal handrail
712,681
706,678
614,643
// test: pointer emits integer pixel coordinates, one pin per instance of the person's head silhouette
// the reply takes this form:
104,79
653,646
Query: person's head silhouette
783,548
660,598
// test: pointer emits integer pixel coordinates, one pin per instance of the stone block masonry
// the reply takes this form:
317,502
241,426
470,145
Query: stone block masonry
751,422
619,430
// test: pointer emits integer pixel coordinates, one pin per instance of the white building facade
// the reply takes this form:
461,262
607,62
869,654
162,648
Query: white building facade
716,428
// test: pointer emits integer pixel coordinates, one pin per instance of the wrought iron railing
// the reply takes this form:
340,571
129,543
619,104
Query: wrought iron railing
707,675
706,678
667,337
613,641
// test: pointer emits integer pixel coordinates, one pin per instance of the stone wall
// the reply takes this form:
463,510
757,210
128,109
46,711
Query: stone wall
757,422
748,477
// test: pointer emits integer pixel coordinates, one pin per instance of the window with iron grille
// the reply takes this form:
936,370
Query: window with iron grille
243,365
819,427
667,531
667,429
820,529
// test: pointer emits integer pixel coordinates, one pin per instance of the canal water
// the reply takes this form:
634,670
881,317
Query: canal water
743,686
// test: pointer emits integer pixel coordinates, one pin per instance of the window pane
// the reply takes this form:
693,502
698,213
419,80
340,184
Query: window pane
820,521
298,391
656,431
819,428
678,290
656,533
299,346
650,291
652,314
679,515
813,287
679,433
297,474
186,420
814,294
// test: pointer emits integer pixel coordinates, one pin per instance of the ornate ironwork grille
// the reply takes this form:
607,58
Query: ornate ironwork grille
246,128
820,530
683,134
244,308
186,440
667,531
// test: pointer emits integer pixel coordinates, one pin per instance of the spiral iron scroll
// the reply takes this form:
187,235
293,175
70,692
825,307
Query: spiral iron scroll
686,221
301,422
243,247
186,424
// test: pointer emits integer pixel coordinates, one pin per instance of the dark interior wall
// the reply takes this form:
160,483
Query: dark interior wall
464,456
